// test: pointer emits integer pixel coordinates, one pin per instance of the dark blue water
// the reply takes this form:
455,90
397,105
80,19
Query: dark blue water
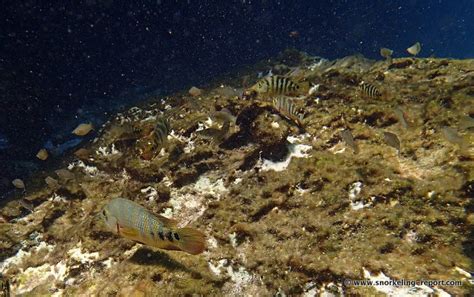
57,59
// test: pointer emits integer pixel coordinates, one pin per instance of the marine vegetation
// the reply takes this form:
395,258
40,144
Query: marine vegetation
373,187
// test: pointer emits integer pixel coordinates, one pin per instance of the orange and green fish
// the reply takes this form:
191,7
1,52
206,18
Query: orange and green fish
132,221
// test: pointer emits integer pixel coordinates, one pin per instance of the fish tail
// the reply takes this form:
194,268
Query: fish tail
191,240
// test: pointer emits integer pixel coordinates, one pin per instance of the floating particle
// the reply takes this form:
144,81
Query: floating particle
294,34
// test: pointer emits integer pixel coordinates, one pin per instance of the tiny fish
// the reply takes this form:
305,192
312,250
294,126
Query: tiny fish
217,134
276,85
224,115
294,34
401,117
51,182
64,174
414,49
26,205
392,140
466,123
42,154
193,91
132,221
285,107
83,129
452,135
82,153
369,90
18,183
214,133
386,53
154,140
346,135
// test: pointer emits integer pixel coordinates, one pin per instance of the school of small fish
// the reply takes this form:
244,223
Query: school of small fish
132,221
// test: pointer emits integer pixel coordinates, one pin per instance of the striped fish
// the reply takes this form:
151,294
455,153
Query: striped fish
4,286
132,221
154,139
369,90
276,85
285,107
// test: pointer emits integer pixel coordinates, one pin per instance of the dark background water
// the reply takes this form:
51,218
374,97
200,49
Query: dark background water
58,59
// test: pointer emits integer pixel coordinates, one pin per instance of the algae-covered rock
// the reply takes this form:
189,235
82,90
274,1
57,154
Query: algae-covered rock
286,210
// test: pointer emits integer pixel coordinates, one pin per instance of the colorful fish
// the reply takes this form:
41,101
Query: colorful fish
132,221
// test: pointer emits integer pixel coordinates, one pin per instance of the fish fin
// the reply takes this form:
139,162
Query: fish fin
191,240
127,232
168,247
140,242
166,221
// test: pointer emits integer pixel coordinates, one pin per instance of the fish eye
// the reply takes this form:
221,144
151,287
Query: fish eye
104,213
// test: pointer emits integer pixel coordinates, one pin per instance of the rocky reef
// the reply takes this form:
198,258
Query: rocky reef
286,210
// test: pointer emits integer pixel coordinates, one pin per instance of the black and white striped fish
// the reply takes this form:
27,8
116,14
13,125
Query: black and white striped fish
152,141
162,129
276,85
285,107
369,90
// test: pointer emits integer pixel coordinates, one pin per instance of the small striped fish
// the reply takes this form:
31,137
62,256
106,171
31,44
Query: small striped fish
369,90
4,286
132,221
154,140
276,85
285,107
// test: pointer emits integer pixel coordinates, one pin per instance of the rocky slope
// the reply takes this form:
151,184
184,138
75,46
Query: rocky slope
287,210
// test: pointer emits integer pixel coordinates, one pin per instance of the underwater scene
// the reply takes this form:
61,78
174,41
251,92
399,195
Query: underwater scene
237,148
